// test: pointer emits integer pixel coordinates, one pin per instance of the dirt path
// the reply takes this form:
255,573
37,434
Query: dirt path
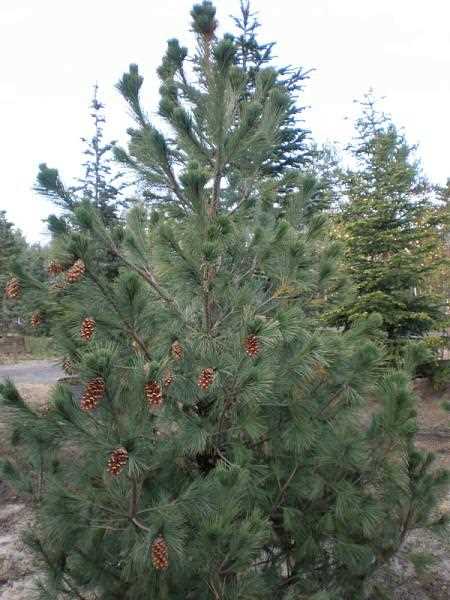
34,379
32,372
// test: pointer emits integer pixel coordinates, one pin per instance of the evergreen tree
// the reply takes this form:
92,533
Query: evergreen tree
10,247
101,186
217,450
17,313
292,151
391,229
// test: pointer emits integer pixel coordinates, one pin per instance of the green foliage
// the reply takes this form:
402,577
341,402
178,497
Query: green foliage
14,250
40,347
11,244
252,56
440,375
250,456
390,225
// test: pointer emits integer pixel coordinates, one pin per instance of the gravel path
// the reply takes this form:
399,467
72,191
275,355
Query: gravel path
32,371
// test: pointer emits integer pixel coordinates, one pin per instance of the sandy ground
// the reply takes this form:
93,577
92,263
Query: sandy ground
16,567
34,379
17,571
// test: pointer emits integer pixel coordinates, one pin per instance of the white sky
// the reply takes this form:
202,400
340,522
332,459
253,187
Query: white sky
52,52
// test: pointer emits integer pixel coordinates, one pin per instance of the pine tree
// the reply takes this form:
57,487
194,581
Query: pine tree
16,312
10,247
391,227
258,472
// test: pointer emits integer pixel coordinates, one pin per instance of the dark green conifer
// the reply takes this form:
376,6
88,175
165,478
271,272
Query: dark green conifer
293,150
391,225
259,473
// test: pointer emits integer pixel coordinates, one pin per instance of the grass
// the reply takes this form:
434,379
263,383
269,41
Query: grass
40,347
35,348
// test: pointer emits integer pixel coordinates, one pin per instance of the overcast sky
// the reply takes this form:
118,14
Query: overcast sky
52,52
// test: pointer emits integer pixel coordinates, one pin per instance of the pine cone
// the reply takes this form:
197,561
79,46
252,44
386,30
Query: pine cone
177,350
36,319
13,288
87,329
67,367
54,268
76,271
93,394
153,394
160,554
252,345
206,378
117,460
167,378
58,286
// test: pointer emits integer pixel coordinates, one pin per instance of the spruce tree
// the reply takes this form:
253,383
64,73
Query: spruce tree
391,226
101,186
293,150
220,446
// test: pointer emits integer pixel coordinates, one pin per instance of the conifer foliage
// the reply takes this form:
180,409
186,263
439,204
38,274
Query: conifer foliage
391,225
217,450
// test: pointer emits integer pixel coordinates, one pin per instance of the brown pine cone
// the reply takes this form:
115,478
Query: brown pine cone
36,319
153,393
13,288
76,271
177,350
252,345
206,378
117,460
160,554
93,394
54,268
87,329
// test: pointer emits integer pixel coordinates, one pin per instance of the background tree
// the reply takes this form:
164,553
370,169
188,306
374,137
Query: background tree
392,231
17,316
217,449
293,150
102,186
11,245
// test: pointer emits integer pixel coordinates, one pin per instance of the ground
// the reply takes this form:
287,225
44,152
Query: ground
34,379
17,572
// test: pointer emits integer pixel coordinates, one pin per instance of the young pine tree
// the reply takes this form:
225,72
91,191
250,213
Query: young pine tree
221,447
392,232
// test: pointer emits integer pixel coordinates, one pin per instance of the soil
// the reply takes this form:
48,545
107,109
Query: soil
17,572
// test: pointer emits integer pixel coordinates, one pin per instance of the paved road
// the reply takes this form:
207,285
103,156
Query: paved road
32,371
